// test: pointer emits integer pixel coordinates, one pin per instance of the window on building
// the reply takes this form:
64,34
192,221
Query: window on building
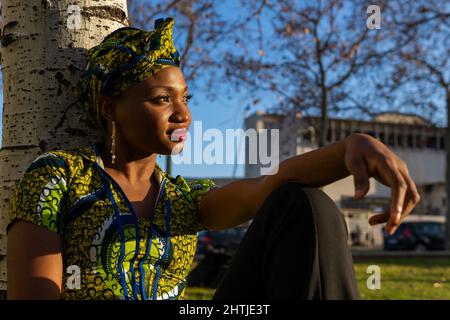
338,134
431,142
409,140
400,140
419,141
391,139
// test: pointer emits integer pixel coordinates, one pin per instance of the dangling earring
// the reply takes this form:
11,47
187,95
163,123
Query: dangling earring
113,142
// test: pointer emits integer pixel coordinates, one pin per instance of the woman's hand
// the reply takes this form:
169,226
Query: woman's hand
366,157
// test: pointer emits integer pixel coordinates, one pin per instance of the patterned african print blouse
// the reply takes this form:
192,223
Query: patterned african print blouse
118,255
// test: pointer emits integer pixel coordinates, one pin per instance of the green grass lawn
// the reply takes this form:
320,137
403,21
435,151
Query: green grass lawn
407,278
401,278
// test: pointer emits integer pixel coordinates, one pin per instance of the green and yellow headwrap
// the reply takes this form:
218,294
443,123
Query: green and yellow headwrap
126,56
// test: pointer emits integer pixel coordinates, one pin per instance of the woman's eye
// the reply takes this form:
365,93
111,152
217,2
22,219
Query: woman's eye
161,99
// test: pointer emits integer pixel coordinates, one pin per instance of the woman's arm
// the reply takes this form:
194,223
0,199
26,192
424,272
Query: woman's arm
34,262
358,154
239,201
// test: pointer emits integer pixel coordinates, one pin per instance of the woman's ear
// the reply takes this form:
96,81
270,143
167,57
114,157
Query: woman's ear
107,107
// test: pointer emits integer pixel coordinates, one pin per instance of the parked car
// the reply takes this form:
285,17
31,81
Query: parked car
215,249
417,235
226,241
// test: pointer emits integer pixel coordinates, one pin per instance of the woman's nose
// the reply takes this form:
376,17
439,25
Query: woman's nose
180,113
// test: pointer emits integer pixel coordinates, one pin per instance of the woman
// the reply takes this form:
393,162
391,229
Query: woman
104,221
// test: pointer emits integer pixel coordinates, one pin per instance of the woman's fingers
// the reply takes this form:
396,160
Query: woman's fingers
398,193
412,196
367,157
389,173
404,196
358,169
379,218
410,203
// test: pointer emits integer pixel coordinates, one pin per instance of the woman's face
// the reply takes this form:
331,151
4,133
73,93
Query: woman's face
151,109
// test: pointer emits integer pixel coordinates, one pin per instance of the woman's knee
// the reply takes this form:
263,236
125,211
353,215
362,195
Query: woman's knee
287,195
294,192
327,215
294,196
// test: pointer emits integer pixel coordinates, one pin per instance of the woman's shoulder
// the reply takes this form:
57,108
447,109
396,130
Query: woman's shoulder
86,151
64,159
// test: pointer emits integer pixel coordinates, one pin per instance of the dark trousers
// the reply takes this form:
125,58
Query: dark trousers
295,248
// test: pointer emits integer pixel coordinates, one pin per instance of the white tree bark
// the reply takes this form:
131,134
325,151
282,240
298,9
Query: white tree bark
44,44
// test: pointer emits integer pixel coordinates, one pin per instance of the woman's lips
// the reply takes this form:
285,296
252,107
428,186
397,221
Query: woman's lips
178,135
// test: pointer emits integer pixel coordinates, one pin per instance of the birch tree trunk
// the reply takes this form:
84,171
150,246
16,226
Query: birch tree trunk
44,44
